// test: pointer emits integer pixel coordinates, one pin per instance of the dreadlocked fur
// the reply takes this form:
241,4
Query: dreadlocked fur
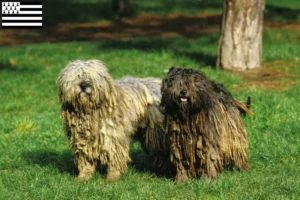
203,126
101,115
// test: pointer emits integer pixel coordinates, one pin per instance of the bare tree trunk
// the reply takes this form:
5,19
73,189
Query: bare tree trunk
121,7
240,44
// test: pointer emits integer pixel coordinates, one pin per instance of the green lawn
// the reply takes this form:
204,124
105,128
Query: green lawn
36,161
97,10
54,11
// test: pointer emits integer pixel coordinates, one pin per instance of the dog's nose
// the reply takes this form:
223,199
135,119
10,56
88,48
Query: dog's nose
83,86
183,92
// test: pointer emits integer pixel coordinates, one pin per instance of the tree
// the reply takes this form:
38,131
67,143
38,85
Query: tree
240,44
121,7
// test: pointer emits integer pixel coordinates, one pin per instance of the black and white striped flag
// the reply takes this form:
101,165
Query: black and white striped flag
22,14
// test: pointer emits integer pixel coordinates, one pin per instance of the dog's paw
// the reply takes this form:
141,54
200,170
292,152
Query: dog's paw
181,177
113,176
83,177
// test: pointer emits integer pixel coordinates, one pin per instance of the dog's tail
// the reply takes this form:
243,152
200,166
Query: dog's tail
244,107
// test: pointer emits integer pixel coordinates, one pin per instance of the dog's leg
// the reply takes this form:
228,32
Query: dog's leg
86,167
113,174
117,164
212,164
181,173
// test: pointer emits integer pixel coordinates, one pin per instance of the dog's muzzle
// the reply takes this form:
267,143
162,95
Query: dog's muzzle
184,96
85,88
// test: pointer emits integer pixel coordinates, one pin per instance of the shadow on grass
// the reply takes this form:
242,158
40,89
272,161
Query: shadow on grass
5,66
57,11
275,13
63,161
159,44
15,67
143,163
154,25
200,57
140,161
142,26
143,44
167,6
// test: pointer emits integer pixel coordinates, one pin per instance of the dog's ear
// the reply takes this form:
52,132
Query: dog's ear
171,69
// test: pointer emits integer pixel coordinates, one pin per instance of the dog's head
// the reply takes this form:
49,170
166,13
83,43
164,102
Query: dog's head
86,85
185,91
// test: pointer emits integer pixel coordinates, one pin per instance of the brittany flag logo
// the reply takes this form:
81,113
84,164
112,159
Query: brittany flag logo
22,14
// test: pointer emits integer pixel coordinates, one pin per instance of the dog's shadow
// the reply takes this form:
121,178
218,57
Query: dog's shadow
139,160
61,160
64,161
143,163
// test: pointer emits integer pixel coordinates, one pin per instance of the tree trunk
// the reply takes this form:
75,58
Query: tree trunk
121,7
240,44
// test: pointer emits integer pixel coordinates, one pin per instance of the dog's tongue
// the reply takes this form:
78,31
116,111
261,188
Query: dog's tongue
183,99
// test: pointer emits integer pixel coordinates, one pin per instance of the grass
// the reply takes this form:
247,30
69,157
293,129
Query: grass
95,10
98,10
36,161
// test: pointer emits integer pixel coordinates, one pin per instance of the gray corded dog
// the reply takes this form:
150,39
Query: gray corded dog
101,115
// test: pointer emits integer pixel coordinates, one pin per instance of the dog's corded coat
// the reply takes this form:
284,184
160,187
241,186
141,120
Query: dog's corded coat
100,115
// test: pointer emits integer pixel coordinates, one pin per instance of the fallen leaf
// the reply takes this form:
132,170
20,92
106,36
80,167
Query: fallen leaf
12,62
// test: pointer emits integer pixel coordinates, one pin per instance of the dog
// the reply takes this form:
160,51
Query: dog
101,116
204,130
